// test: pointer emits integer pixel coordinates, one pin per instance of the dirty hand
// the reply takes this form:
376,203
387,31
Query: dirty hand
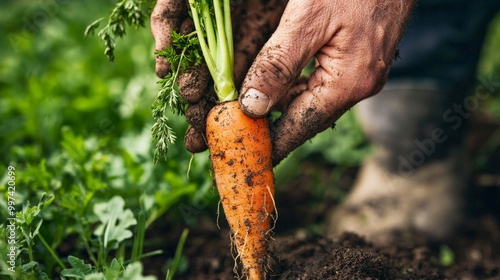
254,22
353,42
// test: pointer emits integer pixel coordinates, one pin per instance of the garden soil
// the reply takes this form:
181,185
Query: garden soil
300,252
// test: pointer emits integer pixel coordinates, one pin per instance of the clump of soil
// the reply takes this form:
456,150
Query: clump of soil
349,257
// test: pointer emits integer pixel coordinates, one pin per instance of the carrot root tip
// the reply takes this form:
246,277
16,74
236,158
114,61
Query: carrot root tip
274,217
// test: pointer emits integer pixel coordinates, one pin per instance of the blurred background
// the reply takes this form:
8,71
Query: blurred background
76,129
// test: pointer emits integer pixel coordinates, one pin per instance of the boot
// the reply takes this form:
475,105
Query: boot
413,182
384,206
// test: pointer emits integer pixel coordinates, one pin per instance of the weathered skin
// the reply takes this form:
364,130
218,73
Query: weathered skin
353,43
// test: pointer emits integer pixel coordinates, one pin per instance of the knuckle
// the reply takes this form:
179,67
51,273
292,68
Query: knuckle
371,79
166,15
275,69
162,68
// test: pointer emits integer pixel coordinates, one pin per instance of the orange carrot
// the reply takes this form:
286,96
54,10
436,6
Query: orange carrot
240,147
240,152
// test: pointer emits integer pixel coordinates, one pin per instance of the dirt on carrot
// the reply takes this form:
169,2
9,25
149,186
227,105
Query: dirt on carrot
240,152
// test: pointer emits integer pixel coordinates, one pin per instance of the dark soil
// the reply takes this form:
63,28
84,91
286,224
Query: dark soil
303,256
300,252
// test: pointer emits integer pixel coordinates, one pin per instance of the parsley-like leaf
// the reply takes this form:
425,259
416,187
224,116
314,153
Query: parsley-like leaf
182,54
125,12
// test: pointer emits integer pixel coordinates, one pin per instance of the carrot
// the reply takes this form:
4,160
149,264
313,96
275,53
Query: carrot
240,152
240,147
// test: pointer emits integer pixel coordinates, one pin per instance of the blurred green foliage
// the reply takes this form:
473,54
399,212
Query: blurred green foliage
489,67
77,127
490,57
52,77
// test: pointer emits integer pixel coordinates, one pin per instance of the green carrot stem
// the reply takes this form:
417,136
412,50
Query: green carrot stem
217,48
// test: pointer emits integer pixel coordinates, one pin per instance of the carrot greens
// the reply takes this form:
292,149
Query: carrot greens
126,12
182,54
214,38
213,21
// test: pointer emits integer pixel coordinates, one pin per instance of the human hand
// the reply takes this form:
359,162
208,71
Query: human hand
253,23
353,42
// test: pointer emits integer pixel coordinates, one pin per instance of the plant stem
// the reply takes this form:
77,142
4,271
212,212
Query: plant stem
203,43
30,252
51,251
221,59
137,247
87,246
229,31
209,28
177,257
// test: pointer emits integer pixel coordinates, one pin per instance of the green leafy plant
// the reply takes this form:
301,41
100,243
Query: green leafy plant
78,269
29,223
182,54
113,229
116,271
446,256
126,12
110,233
79,163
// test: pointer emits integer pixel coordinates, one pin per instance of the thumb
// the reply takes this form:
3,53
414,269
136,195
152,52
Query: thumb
281,60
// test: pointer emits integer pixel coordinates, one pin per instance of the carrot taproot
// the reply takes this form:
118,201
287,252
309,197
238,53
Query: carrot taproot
240,147
240,152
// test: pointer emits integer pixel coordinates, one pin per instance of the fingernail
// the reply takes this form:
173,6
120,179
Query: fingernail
255,102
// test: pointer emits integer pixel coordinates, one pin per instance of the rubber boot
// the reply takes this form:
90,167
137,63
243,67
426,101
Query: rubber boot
413,182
